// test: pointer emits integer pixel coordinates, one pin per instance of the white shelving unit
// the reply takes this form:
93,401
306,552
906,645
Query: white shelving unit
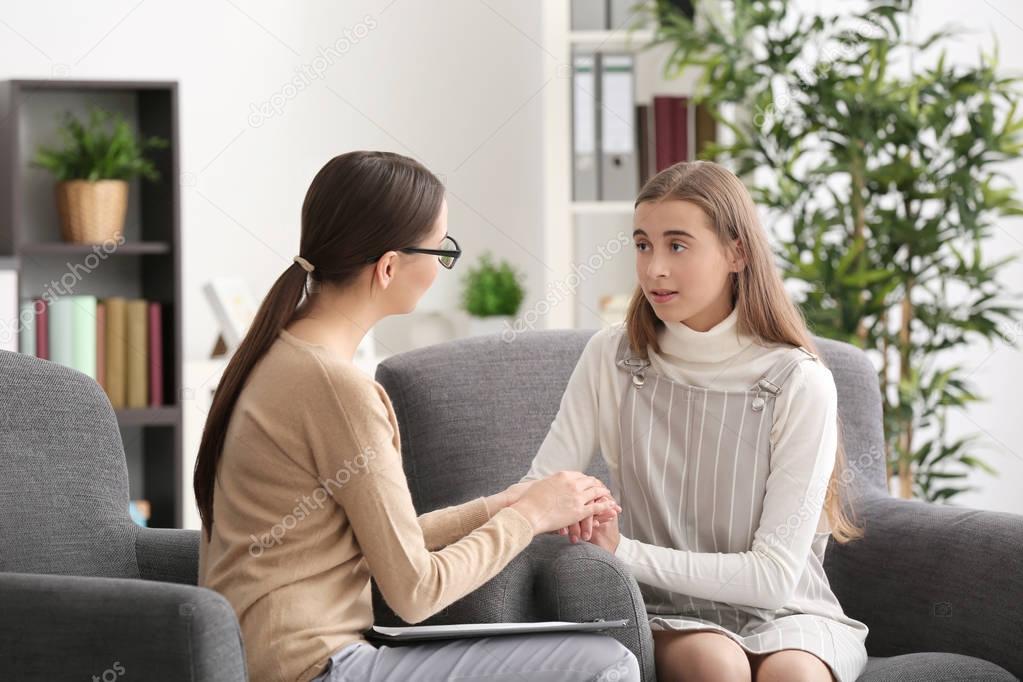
576,232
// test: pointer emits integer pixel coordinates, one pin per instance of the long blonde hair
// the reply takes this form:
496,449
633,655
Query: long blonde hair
764,308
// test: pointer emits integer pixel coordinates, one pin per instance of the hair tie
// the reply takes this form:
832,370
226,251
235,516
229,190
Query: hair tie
306,265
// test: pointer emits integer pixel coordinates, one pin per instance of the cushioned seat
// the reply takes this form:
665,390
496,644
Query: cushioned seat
931,667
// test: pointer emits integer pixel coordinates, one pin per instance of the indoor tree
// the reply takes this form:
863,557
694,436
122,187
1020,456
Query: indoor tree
882,158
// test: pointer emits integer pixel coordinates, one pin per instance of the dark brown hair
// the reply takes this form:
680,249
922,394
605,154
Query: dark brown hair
359,206
758,292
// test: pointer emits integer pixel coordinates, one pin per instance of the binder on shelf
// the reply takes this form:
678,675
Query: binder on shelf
671,130
706,130
584,127
646,153
589,15
623,15
617,141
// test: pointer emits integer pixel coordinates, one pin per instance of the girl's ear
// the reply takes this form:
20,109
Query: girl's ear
737,257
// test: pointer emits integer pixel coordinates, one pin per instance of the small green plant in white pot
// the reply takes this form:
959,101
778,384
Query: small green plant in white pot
492,295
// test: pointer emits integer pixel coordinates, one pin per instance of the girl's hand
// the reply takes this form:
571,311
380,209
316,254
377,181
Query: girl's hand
562,499
584,529
606,536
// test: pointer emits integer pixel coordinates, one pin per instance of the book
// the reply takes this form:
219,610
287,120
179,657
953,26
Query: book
10,309
155,355
101,344
42,329
83,335
61,328
137,354
116,351
28,328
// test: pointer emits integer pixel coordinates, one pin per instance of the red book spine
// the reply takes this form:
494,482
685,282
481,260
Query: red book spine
42,330
155,356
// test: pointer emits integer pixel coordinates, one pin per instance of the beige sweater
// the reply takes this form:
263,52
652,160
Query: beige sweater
311,500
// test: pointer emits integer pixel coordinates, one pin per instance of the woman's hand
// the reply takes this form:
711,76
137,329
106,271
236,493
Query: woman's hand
563,499
508,496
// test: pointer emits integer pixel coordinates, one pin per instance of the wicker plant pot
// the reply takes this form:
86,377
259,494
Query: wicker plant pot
92,212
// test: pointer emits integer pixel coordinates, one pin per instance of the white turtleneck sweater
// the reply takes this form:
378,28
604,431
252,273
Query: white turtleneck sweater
803,439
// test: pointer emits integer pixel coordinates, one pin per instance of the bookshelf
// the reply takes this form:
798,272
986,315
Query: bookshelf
147,265
577,232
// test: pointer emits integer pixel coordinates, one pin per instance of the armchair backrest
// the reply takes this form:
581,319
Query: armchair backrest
63,476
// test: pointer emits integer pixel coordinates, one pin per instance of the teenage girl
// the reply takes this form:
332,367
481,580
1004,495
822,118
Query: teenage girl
299,480
718,422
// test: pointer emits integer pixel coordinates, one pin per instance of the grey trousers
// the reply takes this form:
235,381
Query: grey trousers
547,657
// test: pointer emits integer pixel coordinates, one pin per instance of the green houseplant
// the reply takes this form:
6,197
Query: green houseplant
883,159
92,167
492,293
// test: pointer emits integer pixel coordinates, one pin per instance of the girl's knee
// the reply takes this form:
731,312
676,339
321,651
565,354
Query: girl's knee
793,665
701,657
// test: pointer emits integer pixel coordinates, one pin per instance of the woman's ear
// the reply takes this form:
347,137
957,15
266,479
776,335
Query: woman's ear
384,269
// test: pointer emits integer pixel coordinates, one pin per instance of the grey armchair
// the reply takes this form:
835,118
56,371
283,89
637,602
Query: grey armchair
941,588
84,592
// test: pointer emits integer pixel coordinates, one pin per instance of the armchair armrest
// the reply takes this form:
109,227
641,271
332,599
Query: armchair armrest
934,578
168,555
55,627
553,579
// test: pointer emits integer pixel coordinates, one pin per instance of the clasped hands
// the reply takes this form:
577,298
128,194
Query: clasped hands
567,503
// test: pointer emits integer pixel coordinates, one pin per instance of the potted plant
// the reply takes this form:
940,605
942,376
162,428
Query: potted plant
92,168
492,296
888,172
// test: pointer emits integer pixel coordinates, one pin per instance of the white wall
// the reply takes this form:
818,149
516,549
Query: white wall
455,83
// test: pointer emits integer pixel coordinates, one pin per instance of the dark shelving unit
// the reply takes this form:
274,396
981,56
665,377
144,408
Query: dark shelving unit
147,265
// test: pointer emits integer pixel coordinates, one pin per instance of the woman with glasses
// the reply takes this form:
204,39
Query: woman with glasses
299,480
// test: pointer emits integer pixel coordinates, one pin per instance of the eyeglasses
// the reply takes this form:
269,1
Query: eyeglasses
447,255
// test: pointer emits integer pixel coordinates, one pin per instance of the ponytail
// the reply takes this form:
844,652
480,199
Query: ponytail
276,311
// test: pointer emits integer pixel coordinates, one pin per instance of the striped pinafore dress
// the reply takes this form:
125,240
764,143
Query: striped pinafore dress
708,453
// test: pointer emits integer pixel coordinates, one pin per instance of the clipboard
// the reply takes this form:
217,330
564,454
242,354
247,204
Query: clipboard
468,630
